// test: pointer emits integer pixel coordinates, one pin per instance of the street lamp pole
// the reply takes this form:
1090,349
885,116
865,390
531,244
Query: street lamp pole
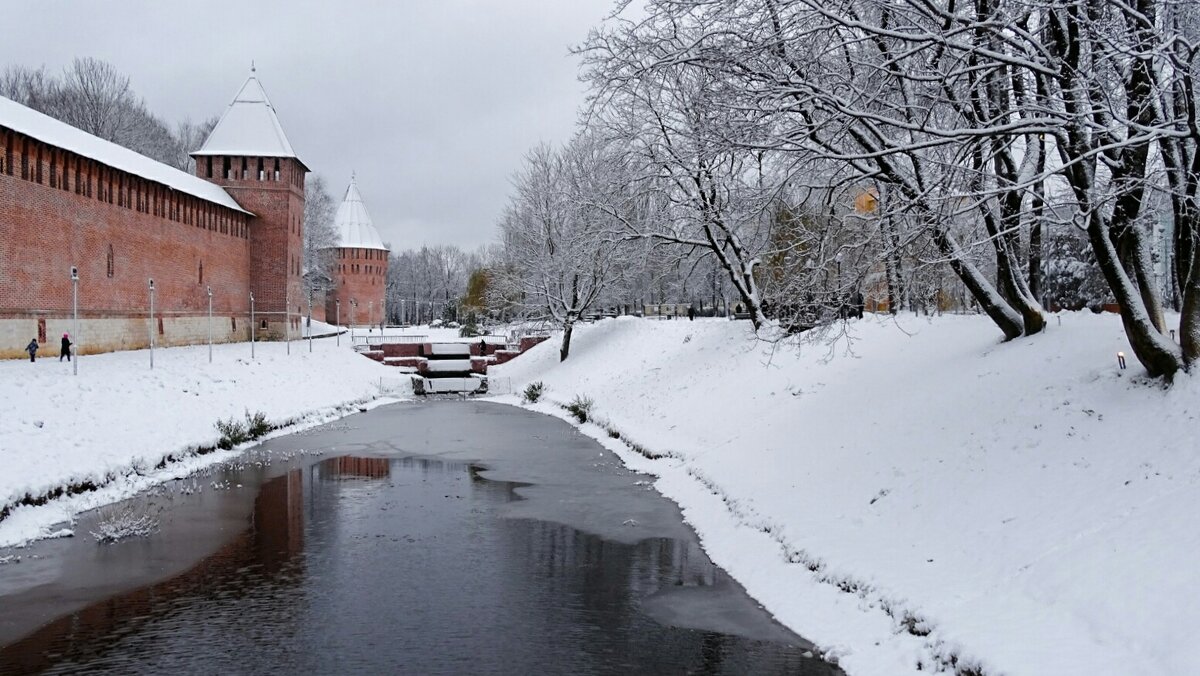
337,304
287,319
209,290
152,323
310,321
252,325
353,318
75,316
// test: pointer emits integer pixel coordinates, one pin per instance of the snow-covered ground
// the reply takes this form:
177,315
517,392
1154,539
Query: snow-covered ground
924,493
117,420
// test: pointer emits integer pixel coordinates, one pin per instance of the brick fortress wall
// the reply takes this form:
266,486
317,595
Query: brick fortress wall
58,209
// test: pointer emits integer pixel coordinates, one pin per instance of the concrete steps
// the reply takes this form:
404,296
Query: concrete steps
449,367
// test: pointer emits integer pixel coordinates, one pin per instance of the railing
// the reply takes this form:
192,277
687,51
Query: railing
369,340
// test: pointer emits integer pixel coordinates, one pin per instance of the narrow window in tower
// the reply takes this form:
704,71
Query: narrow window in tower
109,262
25,159
260,169
226,170
201,272
53,169
38,165
276,168
78,176
245,169
209,162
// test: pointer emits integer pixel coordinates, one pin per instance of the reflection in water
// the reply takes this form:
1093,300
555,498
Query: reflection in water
415,571
350,467
86,638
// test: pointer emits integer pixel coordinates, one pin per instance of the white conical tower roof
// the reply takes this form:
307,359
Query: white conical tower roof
248,127
353,223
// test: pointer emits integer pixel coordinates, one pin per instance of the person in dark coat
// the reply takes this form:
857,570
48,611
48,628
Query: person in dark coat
65,350
691,313
32,349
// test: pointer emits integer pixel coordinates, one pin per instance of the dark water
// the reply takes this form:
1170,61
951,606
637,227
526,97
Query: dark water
394,563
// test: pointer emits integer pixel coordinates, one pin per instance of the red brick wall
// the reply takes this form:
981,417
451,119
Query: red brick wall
359,274
276,233
160,234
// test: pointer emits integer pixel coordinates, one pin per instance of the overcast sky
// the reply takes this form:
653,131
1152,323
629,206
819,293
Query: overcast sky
432,102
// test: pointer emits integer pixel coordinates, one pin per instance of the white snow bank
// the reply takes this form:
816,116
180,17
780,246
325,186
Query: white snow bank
118,418
1027,505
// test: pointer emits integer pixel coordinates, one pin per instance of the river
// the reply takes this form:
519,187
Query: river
439,537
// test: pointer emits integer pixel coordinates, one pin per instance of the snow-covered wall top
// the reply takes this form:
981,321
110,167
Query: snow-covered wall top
249,126
48,130
353,223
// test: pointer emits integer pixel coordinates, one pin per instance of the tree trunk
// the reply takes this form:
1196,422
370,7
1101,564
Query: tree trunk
1009,322
1035,238
565,350
1153,350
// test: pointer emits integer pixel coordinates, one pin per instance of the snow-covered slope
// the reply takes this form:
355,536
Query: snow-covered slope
925,492
116,420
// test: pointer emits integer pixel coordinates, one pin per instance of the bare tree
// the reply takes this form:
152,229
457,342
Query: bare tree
563,246
93,96
320,235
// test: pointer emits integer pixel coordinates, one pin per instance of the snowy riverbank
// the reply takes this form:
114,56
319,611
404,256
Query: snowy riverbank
1022,508
118,420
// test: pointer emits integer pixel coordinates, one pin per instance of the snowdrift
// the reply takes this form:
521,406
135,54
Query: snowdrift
918,495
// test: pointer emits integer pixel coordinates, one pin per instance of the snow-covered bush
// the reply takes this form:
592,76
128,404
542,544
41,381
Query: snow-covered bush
123,523
533,392
234,432
580,407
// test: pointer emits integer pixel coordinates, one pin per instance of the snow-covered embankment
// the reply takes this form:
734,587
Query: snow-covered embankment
927,496
113,426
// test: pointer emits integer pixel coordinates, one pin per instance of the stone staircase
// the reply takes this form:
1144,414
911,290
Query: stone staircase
447,367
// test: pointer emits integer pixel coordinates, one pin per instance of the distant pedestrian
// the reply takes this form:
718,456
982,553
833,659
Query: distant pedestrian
32,349
65,350
482,347
691,313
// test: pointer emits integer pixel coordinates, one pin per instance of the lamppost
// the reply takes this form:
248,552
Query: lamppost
310,321
152,323
382,314
370,314
353,318
252,325
75,317
337,313
209,290
403,319
287,319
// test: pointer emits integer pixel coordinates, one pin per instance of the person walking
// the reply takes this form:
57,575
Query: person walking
691,313
32,349
65,350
